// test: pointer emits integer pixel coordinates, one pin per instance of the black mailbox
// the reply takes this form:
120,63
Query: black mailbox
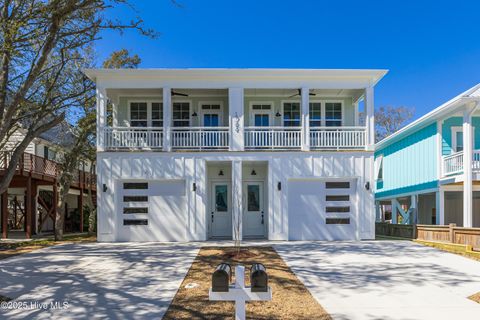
221,278
259,278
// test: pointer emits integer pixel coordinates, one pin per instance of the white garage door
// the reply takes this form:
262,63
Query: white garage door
152,211
321,210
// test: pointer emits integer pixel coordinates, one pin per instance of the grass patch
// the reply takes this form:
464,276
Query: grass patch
460,249
291,300
475,297
15,248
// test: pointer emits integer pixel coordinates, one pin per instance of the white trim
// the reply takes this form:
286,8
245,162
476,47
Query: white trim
407,194
378,166
454,131
253,112
201,112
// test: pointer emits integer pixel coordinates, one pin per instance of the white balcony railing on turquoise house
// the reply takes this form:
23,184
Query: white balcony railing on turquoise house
200,138
453,163
133,138
273,138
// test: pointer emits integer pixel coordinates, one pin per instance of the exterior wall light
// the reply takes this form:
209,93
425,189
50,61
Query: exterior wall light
279,186
367,185
253,173
220,173
194,187
105,188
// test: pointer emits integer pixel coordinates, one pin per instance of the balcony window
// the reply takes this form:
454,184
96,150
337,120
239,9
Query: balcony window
138,114
291,114
315,114
157,114
333,114
181,114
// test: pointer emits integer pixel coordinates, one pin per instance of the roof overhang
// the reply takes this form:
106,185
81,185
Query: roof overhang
450,107
224,78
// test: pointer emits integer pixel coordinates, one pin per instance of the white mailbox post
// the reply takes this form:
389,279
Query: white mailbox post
240,294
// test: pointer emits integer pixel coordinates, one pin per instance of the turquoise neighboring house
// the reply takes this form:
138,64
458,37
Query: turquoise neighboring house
429,171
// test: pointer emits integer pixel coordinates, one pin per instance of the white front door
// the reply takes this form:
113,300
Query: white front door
220,216
254,218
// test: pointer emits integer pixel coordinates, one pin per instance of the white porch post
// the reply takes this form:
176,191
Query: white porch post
440,168
237,203
378,213
440,207
305,107
369,118
236,119
101,118
167,119
467,168
355,106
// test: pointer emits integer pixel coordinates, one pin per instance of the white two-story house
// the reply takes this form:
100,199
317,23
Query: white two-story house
198,154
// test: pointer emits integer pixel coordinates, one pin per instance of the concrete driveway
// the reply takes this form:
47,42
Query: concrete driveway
385,279
115,281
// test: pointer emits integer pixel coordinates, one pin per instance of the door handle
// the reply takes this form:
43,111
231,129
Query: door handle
262,217
212,216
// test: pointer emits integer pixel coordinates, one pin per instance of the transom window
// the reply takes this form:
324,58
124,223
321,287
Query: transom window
181,114
315,114
261,107
138,114
210,106
333,114
291,114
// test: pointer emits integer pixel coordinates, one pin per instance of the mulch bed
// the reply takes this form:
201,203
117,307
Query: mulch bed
11,249
475,297
291,300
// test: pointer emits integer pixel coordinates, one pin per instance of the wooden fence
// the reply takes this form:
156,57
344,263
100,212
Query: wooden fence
445,233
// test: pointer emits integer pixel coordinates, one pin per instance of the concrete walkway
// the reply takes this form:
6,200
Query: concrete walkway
386,279
115,281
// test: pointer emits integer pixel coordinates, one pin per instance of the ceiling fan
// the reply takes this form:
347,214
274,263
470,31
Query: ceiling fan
299,93
175,93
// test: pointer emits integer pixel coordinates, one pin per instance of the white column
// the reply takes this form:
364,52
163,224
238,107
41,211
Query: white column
413,208
167,119
440,148
236,119
467,169
378,213
237,200
369,118
440,207
101,118
305,107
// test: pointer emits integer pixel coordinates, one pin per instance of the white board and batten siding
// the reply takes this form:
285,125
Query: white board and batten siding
178,213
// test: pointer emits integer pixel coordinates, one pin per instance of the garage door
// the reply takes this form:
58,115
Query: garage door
152,211
321,210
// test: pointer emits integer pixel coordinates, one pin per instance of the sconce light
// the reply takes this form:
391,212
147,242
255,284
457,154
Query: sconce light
278,114
194,114
220,173
253,173
279,186
194,187
367,185
105,188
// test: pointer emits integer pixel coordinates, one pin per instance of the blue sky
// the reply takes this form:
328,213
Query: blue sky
432,48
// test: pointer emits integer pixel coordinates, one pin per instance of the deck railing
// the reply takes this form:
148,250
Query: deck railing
453,163
200,138
273,138
336,138
133,138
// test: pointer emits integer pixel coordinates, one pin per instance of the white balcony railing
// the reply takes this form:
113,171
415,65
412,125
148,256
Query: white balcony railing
133,138
453,163
272,138
200,138
338,138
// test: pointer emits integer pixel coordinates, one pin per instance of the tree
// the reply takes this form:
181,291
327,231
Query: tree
42,50
390,119
83,147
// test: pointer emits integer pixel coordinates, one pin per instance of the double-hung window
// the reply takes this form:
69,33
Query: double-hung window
333,114
157,114
138,114
291,114
315,114
181,114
